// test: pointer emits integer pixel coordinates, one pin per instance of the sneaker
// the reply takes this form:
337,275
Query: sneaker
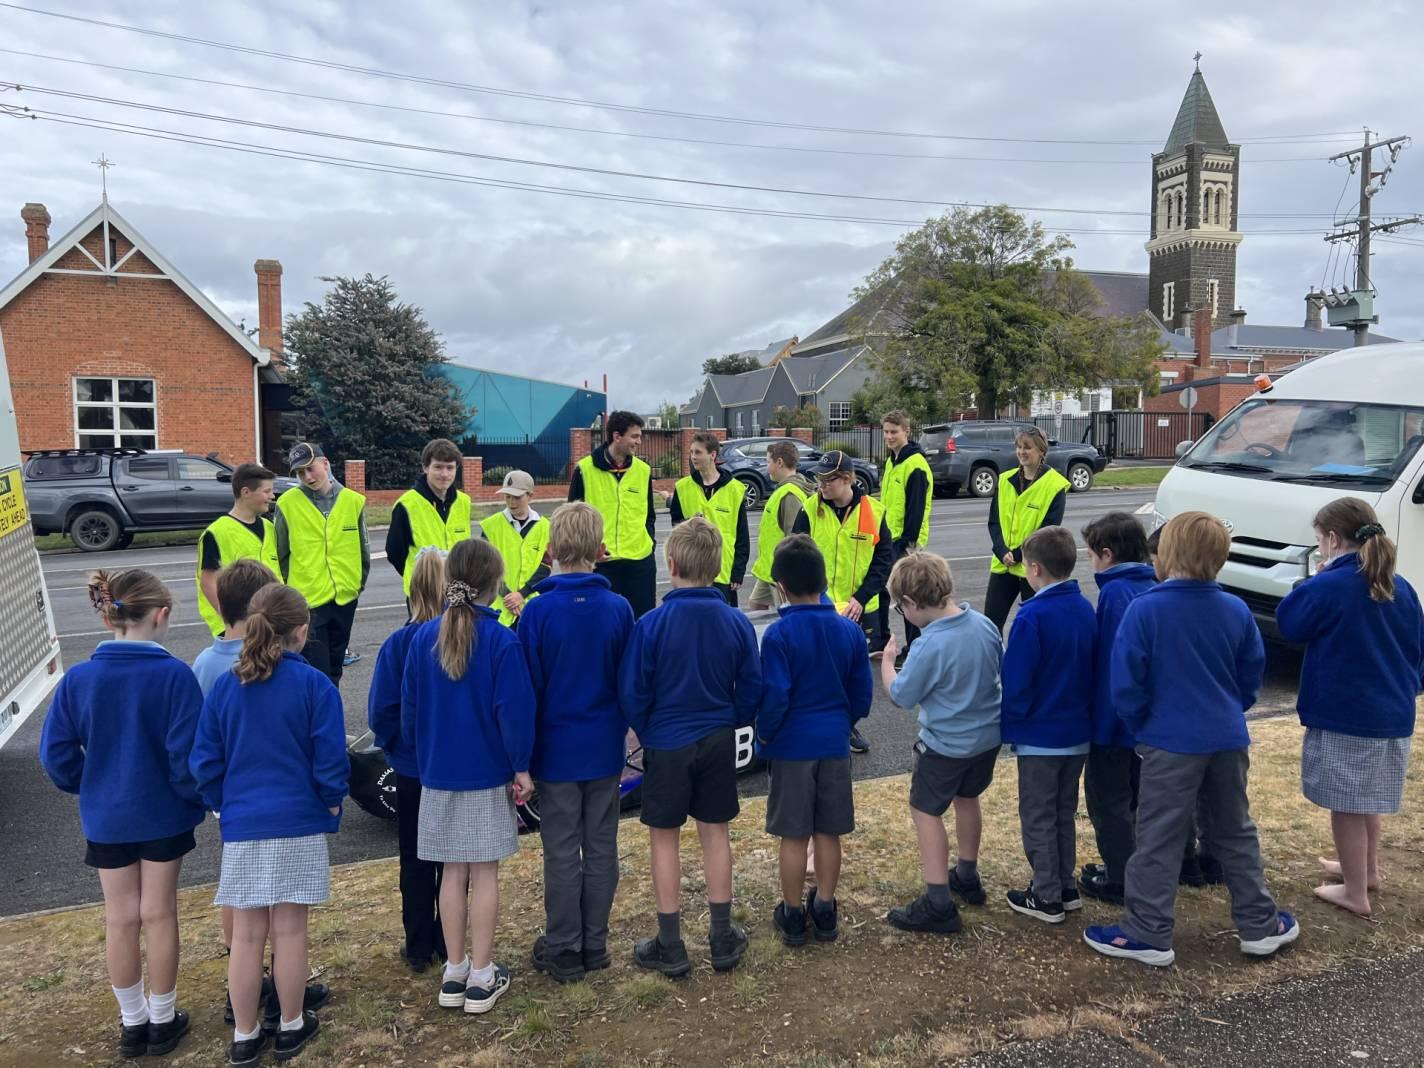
671,961
288,1044
972,893
1212,872
1191,874
133,1041
1288,930
826,926
1096,886
1072,902
241,1054
857,743
728,947
452,993
790,924
921,916
1027,903
480,999
565,966
350,659
596,960
164,1038
314,997
1111,942
1091,871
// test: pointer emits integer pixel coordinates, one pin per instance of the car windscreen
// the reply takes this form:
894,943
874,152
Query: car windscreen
1325,443
42,467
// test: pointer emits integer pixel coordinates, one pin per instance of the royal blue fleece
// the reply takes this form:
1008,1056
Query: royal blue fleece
383,703
270,756
118,734
691,669
1363,658
574,634
1048,670
816,684
1118,587
1188,663
477,731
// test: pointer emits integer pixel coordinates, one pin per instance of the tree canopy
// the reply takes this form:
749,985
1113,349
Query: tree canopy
795,418
735,363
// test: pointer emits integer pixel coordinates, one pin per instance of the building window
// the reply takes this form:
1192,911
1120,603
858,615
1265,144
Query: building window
1220,196
1169,302
839,415
1167,210
115,412
739,422
1181,207
1212,289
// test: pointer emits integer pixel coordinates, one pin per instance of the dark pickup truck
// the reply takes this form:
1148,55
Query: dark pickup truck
101,498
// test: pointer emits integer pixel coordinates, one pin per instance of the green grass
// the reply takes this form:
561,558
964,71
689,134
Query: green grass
1130,476
38,983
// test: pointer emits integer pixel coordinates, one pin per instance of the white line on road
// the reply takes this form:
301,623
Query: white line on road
203,623
146,565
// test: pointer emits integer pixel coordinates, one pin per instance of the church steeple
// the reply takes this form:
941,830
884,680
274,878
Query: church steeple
1197,120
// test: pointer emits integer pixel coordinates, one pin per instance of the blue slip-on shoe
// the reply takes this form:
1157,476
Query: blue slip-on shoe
1288,930
1111,942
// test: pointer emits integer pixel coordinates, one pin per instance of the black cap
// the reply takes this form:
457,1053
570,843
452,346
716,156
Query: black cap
834,462
303,454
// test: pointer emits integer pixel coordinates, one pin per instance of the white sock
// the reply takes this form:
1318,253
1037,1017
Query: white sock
238,1036
458,971
292,1025
132,1004
482,977
160,1006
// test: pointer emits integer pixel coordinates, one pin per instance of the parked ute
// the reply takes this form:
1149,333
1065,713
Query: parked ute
972,455
101,498
746,459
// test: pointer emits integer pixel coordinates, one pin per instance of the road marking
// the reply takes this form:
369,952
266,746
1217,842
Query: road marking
203,623
148,565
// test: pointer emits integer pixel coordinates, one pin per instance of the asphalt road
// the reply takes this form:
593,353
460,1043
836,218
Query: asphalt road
41,844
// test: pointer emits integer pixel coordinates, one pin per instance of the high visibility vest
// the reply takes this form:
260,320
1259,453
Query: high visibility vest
522,555
1020,514
324,552
721,510
848,545
892,493
235,542
427,528
770,533
623,503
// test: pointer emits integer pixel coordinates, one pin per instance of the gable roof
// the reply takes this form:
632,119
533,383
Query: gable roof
811,374
1197,121
1250,338
732,391
870,315
107,217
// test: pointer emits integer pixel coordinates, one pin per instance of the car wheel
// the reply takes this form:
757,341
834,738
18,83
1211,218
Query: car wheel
95,531
526,814
755,498
1080,477
863,484
983,481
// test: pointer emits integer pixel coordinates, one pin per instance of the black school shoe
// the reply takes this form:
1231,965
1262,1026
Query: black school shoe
288,1044
857,743
825,926
1191,873
164,1038
1026,902
596,959
248,1052
1072,902
790,924
1096,886
671,961
922,917
133,1041
1212,872
563,967
315,996
972,893
727,947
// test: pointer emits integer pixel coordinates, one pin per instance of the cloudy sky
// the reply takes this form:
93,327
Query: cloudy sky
571,288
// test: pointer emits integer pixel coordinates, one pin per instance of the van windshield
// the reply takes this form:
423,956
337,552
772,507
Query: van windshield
1327,443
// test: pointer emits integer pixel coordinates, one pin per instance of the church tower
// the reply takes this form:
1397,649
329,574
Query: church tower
1195,192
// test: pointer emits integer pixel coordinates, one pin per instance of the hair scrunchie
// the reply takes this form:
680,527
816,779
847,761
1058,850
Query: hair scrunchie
1368,531
101,599
461,593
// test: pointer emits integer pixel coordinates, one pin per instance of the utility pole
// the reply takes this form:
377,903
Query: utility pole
1355,309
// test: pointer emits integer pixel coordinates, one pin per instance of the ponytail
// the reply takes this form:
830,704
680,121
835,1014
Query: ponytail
275,614
473,572
1377,560
1354,522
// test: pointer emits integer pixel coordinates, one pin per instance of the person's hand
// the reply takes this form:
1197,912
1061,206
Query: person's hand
892,649
523,786
514,601
1009,560
853,610
335,810
736,586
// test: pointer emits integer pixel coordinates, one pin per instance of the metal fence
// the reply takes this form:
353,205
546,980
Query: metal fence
862,442
662,449
545,458
1128,435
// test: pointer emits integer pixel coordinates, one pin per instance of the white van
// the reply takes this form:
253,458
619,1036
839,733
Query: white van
1347,424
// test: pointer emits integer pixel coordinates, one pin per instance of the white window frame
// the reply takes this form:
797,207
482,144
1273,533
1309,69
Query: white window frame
1213,293
739,421
837,415
116,409
1169,303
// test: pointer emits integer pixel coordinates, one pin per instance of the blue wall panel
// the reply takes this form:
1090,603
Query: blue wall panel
507,406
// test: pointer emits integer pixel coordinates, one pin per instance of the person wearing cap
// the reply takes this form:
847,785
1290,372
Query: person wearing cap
324,553
522,537
432,512
711,492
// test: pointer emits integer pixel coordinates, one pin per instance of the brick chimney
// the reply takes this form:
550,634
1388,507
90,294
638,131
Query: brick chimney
1233,331
1313,303
269,307
1201,336
37,222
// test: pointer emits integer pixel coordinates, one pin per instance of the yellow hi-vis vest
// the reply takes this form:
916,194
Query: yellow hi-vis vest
324,552
427,528
235,542
1020,514
848,546
623,503
720,510
522,555
892,493
770,533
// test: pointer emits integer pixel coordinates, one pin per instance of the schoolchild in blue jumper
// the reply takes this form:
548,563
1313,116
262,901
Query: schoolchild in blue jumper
1048,719
467,712
118,734
1363,634
241,580
816,685
690,677
1187,665
574,635
1122,569
419,879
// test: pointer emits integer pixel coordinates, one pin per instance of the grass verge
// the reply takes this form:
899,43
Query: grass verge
1130,476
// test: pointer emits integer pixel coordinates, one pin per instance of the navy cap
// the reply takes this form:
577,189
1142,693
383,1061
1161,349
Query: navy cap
834,462
303,454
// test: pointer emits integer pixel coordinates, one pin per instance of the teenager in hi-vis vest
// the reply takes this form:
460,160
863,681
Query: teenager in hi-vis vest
777,518
324,554
1031,496
432,512
711,492
522,537
245,533
906,490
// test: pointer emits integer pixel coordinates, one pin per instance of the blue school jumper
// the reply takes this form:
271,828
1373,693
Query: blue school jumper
816,684
1118,587
383,702
1048,671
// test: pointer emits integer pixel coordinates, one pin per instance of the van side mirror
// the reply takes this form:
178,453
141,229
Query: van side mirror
1053,443
1418,497
1184,447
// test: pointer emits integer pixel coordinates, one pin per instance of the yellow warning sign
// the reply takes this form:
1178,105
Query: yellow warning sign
13,513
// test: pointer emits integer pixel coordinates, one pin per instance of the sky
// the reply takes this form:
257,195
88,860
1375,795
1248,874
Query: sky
905,99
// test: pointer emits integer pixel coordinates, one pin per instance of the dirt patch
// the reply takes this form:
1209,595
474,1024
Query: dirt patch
876,997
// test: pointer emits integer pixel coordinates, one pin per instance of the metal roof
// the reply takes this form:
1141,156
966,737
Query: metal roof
1290,338
1197,121
811,374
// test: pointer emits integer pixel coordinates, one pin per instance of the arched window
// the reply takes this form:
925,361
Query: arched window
1181,207
1167,210
1220,196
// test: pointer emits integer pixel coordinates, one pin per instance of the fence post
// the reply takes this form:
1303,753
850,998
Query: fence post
684,443
776,432
803,433
471,473
355,475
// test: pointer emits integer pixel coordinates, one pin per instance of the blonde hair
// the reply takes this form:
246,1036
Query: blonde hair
1035,437
273,616
1357,526
575,534
1194,545
924,578
427,586
123,598
696,547
473,572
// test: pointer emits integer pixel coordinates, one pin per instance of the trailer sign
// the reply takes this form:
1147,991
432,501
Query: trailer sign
13,513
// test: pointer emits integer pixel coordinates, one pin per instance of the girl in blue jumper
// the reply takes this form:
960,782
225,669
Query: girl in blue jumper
118,735
270,757
467,711
1363,633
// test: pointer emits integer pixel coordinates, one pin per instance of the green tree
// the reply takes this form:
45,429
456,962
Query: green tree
670,415
735,363
364,378
794,418
984,305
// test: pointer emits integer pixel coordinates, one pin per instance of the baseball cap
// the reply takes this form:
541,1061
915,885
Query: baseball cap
517,484
303,454
834,462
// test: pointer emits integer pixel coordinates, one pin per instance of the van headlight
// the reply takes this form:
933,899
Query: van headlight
1158,520
1312,562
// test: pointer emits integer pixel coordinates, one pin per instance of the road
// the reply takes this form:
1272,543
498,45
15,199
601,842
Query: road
40,838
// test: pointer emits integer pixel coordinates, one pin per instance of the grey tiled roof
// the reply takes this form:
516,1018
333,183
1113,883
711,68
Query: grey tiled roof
748,388
1197,120
1123,293
809,374
868,315
1297,338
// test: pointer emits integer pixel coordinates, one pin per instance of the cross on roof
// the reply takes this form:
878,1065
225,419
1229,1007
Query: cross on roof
1197,60
103,163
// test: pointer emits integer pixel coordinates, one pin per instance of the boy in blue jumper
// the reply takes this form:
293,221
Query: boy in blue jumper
574,634
237,584
1048,718
816,686
1188,664
690,677
1117,546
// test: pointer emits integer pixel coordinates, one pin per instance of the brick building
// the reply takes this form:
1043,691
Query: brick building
109,345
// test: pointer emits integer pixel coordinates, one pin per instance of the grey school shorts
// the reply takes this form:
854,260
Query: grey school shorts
937,780
809,797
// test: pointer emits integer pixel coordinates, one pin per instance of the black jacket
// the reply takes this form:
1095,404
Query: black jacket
742,551
603,463
399,540
917,490
1052,518
880,562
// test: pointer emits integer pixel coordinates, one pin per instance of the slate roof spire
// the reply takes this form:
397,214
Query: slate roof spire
1197,120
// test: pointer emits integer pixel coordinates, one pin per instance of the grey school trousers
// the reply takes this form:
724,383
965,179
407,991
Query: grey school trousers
579,824
1048,805
1171,784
